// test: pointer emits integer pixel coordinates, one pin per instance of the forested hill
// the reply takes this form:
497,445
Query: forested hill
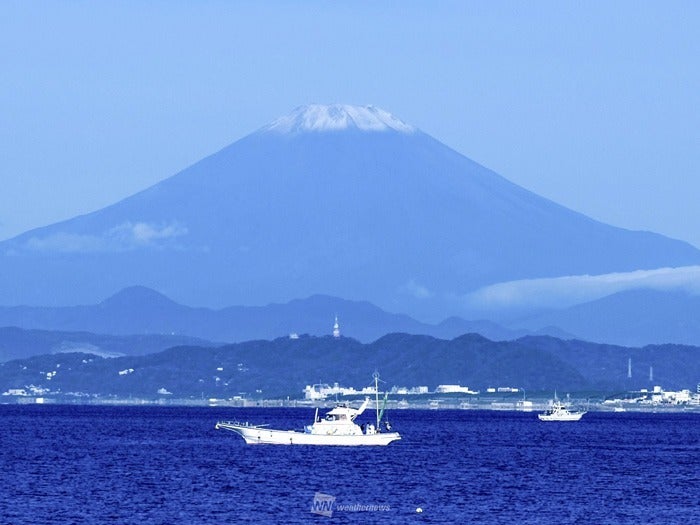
283,367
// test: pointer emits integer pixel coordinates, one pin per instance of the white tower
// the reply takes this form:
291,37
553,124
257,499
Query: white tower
336,328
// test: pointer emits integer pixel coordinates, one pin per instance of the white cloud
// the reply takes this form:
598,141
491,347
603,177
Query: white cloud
125,236
416,290
146,233
560,292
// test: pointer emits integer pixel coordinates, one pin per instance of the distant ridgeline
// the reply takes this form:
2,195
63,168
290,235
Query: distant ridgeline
282,367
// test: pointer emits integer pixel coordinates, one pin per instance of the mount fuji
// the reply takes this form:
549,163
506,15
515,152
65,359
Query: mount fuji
347,201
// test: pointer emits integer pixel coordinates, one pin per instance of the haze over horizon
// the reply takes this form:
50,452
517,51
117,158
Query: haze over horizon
594,107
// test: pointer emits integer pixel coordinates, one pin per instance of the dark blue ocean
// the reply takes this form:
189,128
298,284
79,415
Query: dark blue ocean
166,465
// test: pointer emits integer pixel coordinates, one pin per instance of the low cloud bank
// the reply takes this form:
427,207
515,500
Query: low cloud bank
561,292
125,236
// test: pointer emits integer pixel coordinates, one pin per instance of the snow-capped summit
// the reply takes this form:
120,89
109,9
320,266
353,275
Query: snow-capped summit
336,117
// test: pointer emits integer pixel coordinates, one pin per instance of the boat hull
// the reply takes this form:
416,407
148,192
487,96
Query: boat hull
561,417
254,435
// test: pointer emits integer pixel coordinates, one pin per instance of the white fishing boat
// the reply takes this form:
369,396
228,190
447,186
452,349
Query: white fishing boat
337,427
559,411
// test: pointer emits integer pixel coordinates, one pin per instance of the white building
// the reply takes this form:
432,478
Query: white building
404,390
454,389
15,392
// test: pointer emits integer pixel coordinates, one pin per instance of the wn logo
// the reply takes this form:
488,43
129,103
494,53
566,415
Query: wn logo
323,504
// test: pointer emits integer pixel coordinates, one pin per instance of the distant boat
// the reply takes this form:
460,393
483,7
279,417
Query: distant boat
559,411
337,428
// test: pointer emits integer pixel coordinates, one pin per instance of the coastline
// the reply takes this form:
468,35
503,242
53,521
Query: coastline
534,405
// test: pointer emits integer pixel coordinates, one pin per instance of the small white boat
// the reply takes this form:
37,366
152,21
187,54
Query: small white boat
337,428
559,411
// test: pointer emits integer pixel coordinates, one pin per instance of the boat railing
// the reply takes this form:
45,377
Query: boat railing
241,424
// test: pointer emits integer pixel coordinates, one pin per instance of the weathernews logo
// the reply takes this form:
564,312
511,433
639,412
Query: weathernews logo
324,505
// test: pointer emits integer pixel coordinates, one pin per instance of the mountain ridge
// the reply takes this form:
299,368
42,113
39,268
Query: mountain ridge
139,310
630,318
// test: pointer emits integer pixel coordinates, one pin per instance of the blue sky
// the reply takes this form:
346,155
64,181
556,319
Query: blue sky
595,105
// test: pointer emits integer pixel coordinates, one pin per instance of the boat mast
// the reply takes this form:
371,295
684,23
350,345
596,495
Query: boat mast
376,396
